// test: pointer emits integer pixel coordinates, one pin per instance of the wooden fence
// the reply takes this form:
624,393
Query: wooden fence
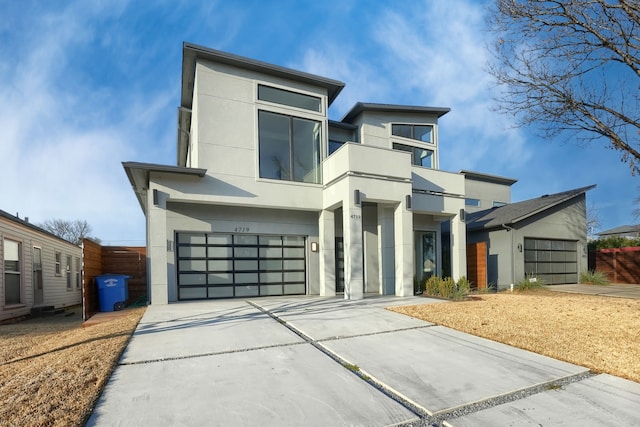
621,265
126,260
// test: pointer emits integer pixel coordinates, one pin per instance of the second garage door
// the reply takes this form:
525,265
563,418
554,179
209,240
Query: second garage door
554,261
213,265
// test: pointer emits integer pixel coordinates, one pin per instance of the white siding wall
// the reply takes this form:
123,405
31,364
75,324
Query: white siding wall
55,286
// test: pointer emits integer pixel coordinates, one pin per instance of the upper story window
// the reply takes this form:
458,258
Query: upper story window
291,99
469,201
422,133
498,204
290,147
419,156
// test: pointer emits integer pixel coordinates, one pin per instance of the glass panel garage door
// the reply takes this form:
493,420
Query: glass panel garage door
239,265
554,261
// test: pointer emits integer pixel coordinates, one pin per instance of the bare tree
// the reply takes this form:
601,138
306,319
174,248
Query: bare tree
73,231
593,220
571,67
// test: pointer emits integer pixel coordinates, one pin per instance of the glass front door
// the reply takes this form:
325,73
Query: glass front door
426,264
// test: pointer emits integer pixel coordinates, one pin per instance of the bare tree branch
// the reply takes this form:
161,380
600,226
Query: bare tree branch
73,231
571,66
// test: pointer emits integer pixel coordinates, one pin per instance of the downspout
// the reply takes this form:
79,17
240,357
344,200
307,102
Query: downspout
510,229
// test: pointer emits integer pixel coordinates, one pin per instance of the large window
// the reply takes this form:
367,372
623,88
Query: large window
12,275
291,99
419,156
289,148
418,132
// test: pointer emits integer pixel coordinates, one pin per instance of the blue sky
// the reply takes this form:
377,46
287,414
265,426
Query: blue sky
86,85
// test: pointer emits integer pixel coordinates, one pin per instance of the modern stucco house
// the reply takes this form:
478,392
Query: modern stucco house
38,269
269,196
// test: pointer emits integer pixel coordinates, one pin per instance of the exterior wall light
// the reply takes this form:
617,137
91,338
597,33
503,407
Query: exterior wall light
314,246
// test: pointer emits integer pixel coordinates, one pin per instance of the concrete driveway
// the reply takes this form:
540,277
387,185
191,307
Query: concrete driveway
307,361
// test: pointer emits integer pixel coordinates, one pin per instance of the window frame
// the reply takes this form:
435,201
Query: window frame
58,263
414,155
67,269
291,118
413,126
17,272
320,109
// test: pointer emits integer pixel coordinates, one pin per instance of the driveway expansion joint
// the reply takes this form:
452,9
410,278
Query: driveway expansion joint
213,353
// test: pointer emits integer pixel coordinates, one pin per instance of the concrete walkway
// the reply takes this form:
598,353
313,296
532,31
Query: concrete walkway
307,361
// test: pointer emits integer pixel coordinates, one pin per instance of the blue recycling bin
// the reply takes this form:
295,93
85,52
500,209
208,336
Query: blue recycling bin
113,291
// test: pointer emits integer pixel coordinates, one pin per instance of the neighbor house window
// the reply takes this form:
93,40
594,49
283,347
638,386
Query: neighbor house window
58,263
289,148
291,99
418,132
419,156
472,202
78,272
12,276
498,204
68,271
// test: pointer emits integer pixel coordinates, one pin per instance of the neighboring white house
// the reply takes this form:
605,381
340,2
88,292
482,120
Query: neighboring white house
270,197
38,269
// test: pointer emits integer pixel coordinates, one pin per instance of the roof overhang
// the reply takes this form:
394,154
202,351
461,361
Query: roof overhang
485,177
138,174
361,107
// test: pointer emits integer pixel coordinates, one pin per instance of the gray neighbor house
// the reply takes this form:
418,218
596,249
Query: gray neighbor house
269,196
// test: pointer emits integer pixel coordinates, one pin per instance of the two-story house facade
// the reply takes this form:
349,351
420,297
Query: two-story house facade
270,197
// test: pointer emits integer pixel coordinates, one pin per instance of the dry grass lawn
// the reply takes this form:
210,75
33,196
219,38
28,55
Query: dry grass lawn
600,333
52,369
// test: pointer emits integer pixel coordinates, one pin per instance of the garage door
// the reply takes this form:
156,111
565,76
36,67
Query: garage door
554,261
212,265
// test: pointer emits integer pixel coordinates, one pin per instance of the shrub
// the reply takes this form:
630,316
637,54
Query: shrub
447,288
463,286
432,286
528,284
594,278
612,242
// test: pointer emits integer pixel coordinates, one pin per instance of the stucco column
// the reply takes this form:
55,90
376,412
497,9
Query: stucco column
353,256
157,249
327,243
403,237
458,248
386,250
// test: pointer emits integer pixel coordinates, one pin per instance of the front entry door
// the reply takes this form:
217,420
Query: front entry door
427,264
38,292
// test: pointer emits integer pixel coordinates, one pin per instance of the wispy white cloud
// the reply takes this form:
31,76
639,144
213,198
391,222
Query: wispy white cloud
61,147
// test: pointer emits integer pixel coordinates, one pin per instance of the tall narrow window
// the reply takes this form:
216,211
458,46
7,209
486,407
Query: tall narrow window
78,272
58,264
289,148
68,271
12,268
